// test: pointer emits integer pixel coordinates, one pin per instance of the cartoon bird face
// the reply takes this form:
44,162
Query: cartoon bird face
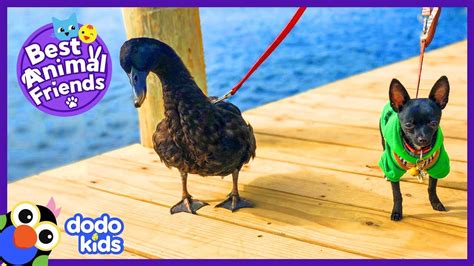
87,33
27,233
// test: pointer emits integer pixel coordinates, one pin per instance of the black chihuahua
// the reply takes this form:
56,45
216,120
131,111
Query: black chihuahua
413,141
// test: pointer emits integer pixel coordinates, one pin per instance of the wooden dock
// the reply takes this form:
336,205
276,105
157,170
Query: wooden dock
315,181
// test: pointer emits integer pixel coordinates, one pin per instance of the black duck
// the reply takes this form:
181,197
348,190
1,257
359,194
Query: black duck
196,136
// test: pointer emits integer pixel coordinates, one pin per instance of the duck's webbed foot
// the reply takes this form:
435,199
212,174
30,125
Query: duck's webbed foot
187,204
235,202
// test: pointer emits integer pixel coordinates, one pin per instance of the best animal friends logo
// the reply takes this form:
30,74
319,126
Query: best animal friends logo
28,234
64,68
96,236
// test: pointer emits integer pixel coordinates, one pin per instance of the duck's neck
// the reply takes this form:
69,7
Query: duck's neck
179,87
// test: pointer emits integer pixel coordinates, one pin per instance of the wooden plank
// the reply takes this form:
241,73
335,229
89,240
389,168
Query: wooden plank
355,119
339,226
378,88
364,138
312,182
450,61
342,158
314,99
152,230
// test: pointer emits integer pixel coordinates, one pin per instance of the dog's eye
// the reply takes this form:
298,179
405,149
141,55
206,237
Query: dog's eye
434,123
409,125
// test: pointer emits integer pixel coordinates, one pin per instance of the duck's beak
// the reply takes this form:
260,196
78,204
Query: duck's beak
138,81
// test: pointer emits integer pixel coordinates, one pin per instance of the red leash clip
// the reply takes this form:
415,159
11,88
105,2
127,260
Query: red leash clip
430,21
267,53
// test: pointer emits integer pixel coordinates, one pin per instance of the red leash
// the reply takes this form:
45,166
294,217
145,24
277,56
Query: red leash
429,27
267,52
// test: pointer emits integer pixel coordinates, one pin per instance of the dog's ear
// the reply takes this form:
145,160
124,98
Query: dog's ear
398,95
440,92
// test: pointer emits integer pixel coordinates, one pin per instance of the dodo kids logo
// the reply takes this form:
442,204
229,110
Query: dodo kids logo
64,68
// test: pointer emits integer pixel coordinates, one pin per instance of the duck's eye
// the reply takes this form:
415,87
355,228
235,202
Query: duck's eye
60,29
83,32
409,125
72,27
434,123
25,214
48,236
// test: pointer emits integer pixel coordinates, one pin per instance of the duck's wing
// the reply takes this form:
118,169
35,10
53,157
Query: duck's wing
226,105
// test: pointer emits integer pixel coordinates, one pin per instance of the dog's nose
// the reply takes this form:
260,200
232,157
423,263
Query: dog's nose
422,140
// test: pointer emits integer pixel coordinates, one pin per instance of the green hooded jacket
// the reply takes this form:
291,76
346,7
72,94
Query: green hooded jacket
391,131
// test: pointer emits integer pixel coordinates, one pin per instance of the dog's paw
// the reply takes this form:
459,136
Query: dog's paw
396,216
71,102
438,206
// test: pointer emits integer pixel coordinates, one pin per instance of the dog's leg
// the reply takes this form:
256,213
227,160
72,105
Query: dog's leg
397,202
434,200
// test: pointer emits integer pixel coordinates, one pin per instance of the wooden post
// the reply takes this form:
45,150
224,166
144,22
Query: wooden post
181,29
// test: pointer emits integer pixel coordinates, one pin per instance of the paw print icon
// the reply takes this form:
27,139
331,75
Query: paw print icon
71,102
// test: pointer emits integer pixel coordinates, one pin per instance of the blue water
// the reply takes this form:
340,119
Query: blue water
328,44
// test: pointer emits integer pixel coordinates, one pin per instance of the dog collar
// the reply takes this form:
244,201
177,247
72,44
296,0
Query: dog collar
414,151
422,164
